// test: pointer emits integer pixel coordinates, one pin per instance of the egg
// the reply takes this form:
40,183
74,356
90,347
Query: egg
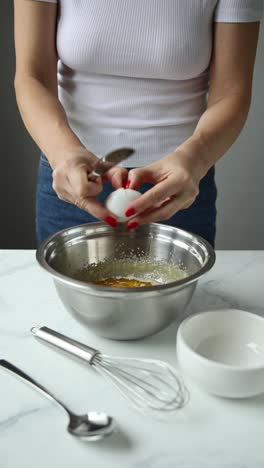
119,200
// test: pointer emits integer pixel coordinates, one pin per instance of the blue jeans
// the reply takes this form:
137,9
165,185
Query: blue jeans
53,214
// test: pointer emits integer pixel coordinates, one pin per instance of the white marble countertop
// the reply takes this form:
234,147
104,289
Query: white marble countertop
208,433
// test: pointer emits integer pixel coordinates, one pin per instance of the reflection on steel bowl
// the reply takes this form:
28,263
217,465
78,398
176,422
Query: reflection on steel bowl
170,259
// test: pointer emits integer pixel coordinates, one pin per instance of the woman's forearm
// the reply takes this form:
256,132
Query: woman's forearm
230,84
216,131
45,119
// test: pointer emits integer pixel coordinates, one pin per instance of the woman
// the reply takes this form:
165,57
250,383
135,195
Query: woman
172,79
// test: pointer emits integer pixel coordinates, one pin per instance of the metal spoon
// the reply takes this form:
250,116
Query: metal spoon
91,426
108,161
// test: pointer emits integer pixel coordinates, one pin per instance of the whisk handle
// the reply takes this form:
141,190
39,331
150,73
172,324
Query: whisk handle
70,346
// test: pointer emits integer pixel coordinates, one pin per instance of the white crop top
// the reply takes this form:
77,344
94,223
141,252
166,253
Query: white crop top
135,72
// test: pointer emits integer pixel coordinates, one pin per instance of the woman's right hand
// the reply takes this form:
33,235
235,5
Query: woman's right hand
70,182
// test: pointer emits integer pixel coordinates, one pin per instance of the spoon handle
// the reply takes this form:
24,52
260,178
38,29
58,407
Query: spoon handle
23,376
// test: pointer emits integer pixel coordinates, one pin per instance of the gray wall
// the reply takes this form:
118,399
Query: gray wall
18,153
239,174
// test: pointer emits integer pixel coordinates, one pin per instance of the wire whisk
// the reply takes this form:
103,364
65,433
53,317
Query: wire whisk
150,385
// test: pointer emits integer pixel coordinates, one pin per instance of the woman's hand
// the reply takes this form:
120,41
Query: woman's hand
176,185
70,182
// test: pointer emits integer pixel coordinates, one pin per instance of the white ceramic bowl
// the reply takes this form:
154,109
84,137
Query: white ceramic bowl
223,351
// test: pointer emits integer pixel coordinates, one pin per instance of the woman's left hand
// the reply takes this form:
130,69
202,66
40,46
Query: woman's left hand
176,180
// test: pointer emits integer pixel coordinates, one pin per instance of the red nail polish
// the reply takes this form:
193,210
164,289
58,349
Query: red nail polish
128,184
111,221
130,212
132,225
124,184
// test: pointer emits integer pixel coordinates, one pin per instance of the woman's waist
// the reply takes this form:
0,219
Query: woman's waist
124,112
150,144
120,102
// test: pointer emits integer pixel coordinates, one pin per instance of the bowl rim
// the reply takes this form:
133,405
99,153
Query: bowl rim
181,342
90,287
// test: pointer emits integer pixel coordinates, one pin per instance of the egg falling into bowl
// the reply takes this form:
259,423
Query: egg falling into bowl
119,200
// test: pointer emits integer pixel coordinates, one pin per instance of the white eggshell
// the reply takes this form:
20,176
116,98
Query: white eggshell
119,200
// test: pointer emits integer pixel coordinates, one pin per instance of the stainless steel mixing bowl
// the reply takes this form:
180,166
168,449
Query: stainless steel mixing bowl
123,313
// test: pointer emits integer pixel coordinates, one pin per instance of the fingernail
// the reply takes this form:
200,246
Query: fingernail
132,225
111,221
130,212
128,184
